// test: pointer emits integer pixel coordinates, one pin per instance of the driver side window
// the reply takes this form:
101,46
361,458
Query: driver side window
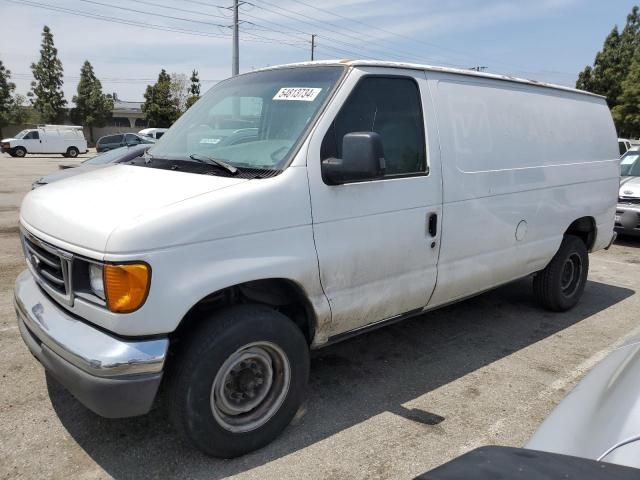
33,135
391,107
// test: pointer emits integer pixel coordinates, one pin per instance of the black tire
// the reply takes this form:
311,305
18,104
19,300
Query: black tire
19,152
72,152
64,155
12,154
560,285
204,358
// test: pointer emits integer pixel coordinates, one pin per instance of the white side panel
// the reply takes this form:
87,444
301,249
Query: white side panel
511,154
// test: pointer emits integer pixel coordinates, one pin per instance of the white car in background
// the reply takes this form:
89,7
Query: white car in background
154,133
67,140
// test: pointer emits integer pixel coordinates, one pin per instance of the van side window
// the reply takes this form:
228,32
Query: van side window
32,135
391,107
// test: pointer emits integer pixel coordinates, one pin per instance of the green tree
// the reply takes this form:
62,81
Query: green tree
46,90
20,113
627,113
159,108
6,96
93,108
194,89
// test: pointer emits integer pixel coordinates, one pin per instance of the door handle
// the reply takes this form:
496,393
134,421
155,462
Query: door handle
432,224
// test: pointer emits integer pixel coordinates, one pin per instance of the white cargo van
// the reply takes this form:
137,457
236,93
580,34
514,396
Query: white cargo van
67,140
369,192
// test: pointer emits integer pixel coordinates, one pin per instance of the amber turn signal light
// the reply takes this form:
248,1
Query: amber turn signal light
126,286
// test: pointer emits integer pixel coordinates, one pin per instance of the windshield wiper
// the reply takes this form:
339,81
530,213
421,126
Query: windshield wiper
213,161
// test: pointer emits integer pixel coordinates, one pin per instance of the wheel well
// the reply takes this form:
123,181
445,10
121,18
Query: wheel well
281,294
584,228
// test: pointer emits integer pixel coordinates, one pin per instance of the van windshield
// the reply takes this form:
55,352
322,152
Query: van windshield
22,134
253,120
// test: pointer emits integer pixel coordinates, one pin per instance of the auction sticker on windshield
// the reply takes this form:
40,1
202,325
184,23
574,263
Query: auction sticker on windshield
301,94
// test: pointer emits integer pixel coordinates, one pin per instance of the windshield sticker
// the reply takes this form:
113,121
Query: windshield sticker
301,94
210,140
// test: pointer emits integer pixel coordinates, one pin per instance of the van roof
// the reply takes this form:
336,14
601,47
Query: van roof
433,68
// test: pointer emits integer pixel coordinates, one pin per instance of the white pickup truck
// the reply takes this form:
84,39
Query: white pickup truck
67,140
356,194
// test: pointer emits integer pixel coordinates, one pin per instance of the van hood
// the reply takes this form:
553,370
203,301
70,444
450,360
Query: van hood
85,209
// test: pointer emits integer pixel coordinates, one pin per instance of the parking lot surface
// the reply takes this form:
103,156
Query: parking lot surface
392,403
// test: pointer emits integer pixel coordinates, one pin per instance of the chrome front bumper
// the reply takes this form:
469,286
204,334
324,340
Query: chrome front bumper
112,376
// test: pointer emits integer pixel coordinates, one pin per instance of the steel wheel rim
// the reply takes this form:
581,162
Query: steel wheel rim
571,274
250,386
20,153
73,153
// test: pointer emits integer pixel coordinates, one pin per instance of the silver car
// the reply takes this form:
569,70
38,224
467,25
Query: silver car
600,418
628,209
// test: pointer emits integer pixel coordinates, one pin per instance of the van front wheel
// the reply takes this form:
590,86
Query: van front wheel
19,152
239,380
560,285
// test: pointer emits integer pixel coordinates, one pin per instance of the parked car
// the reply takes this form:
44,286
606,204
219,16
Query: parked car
67,140
223,265
627,220
154,133
624,145
600,418
509,463
109,142
119,155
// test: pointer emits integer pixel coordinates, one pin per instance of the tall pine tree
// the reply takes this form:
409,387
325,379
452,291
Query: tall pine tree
160,109
93,108
194,89
46,90
6,96
627,113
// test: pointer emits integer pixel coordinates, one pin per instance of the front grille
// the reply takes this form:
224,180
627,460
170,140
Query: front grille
50,265
629,200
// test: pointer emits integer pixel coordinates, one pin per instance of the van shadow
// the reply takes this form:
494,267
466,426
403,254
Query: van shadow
350,382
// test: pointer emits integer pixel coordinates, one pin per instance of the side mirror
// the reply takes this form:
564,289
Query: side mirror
362,159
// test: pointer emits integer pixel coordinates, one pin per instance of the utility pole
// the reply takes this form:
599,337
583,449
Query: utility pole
235,55
313,45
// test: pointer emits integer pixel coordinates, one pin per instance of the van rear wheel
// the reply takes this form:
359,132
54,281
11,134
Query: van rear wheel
560,285
238,380
72,152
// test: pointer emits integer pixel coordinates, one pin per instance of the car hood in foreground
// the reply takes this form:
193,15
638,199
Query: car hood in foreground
68,172
601,412
84,210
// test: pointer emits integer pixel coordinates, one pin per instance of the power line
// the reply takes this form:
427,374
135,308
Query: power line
106,18
346,51
171,17
338,30
150,26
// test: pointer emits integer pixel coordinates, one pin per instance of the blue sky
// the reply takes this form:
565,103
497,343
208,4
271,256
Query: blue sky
549,40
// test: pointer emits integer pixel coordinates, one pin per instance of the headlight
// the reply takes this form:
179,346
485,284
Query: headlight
96,280
126,286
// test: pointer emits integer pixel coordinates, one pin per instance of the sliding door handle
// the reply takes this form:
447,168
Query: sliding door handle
432,224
